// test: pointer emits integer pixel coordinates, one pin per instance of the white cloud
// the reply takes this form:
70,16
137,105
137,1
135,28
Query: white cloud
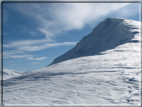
29,57
42,47
41,58
54,18
24,43
19,56
8,54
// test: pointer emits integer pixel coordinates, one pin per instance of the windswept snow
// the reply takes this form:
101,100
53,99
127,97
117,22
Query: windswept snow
8,73
111,77
107,35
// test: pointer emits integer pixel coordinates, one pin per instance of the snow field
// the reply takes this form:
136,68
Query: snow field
112,78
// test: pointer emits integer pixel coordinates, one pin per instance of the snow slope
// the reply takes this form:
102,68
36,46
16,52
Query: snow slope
8,73
112,77
107,35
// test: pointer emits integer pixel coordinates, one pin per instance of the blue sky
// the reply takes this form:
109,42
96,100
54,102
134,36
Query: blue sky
34,34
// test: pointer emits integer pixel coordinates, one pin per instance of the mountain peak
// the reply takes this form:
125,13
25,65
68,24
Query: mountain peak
107,35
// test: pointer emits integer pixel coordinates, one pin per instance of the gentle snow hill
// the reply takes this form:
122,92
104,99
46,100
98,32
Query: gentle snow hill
112,77
9,73
107,35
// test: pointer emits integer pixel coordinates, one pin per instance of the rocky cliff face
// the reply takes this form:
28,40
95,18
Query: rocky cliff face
107,35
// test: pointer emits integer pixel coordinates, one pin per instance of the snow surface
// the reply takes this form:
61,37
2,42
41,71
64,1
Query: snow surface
112,77
9,73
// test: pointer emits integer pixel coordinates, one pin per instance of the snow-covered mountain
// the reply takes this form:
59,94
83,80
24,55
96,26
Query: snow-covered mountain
107,35
111,77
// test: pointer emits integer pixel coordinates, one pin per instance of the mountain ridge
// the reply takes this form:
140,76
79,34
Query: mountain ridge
116,32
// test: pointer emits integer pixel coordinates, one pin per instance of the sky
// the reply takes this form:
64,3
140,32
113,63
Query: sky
34,34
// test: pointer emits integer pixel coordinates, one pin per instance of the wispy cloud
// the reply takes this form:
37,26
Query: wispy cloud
12,52
24,43
42,47
22,47
29,57
54,18
18,54
32,58
28,45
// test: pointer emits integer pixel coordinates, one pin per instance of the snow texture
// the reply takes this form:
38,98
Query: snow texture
8,73
111,77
